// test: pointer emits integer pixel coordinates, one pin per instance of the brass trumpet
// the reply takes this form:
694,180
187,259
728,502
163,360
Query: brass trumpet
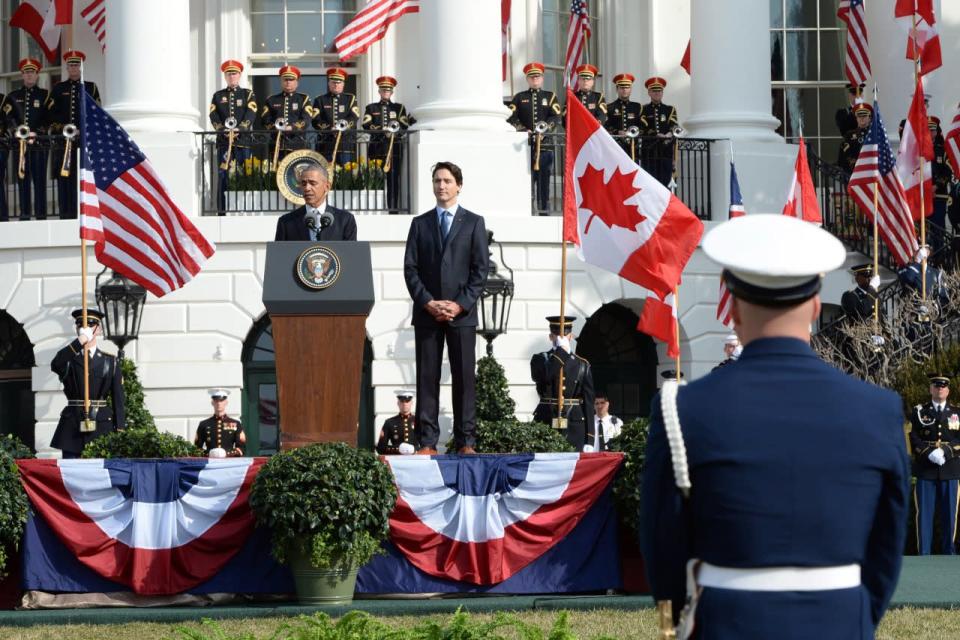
230,124
23,134
393,127
279,125
678,132
633,132
539,128
69,133
340,126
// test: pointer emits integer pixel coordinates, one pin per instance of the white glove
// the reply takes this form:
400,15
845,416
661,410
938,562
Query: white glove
875,282
85,335
406,449
737,350
588,448
563,342
217,452
923,253
878,340
936,457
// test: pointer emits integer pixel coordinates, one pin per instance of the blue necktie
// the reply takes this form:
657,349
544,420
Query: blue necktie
445,225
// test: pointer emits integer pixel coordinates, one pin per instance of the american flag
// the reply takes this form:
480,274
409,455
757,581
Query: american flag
125,209
953,142
876,168
725,304
370,25
857,65
95,13
577,35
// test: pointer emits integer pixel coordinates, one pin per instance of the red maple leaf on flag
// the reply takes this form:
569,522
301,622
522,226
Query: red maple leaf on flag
606,199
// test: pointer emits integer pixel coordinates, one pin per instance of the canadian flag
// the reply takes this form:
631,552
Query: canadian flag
923,41
802,196
659,320
618,215
953,142
42,20
915,143
685,60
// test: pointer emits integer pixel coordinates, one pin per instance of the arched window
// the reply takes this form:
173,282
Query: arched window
16,396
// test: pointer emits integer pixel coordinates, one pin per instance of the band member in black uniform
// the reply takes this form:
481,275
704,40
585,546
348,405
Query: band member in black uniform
858,304
105,383
623,115
850,147
290,106
5,143
942,178
28,105
380,117
657,124
592,100
235,106
935,441
64,106
400,429
329,109
527,109
545,369
845,117
220,436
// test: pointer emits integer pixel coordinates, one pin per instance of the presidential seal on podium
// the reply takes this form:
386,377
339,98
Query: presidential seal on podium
317,267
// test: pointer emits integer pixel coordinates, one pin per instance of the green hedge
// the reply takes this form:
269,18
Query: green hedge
141,443
513,436
632,442
13,509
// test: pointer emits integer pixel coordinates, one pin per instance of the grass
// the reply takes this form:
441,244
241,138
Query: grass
899,624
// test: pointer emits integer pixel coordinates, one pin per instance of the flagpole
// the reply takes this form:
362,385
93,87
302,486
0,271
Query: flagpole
563,304
923,213
676,327
876,254
86,426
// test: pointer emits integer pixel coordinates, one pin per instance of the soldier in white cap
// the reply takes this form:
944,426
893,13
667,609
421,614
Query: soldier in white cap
220,436
731,350
782,515
399,434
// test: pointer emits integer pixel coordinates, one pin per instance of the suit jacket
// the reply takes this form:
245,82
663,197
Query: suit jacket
454,270
927,430
811,470
293,225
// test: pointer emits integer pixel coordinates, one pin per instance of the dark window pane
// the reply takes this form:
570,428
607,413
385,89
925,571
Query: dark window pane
303,33
776,55
336,5
828,14
266,5
801,52
551,40
801,13
800,105
776,14
267,418
832,55
829,150
831,100
303,5
552,5
267,33
777,108
333,23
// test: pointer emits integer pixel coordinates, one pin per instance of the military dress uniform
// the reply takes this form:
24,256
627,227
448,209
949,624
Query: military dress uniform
329,109
5,146
845,118
106,393
377,116
397,430
221,432
786,536
577,411
853,140
622,115
240,104
592,100
294,109
29,106
527,108
942,179
64,107
936,487
657,154
858,303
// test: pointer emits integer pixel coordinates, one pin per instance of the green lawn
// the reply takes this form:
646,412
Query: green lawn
900,624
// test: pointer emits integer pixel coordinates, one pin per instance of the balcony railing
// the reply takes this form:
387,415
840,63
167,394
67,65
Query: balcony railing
248,186
41,163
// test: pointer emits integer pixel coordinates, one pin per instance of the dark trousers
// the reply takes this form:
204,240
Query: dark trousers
939,218
660,168
4,209
391,179
238,156
541,178
940,497
461,347
35,175
67,192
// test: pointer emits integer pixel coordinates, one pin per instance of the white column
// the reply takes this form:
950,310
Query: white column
461,86
730,60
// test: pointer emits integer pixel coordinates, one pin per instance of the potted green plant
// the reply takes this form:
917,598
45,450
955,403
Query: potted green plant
632,442
13,519
327,506
249,184
358,186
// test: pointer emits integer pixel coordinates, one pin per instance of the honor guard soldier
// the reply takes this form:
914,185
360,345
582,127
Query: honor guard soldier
731,350
289,113
232,110
850,147
942,178
845,117
398,434
64,107
935,440
4,154
547,368
658,121
106,413
381,117
220,436
858,303
592,100
332,110
537,111
623,115
745,514
26,107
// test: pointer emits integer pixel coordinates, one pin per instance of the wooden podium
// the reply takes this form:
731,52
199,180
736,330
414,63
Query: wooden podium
318,295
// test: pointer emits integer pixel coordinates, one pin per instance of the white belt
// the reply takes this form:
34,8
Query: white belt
779,578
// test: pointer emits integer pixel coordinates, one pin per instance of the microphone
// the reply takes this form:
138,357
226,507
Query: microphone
311,223
326,219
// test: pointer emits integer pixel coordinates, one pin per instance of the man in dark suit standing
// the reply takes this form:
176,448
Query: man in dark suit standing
445,265
316,220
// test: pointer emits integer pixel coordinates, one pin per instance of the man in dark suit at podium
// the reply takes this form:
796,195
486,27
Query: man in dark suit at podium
316,220
445,265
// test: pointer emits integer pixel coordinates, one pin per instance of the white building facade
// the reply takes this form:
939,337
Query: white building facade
759,68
